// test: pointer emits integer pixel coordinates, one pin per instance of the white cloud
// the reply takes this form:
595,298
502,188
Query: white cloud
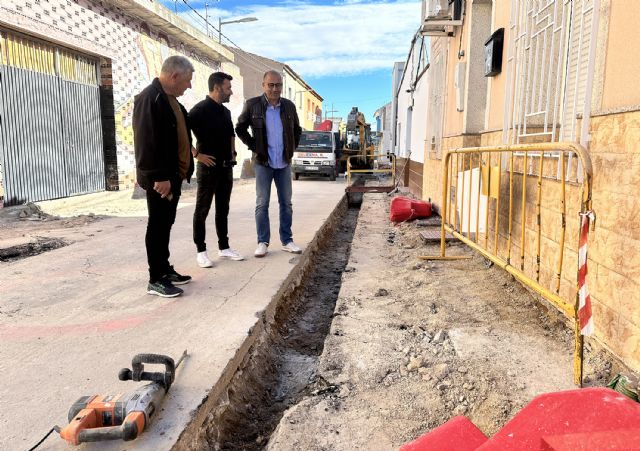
344,38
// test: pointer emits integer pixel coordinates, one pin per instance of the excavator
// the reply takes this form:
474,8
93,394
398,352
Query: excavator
355,136
360,159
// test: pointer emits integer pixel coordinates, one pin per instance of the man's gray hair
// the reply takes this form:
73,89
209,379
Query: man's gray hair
271,72
177,64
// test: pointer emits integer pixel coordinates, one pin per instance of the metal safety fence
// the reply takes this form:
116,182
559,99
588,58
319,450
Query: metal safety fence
371,163
518,217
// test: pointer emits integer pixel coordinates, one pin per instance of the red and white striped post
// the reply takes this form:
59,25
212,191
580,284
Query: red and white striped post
584,300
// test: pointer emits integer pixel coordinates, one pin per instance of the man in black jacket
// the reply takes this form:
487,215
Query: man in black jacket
275,135
216,155
162,141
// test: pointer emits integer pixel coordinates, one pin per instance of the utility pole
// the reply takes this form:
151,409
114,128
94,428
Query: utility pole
206,17
330,111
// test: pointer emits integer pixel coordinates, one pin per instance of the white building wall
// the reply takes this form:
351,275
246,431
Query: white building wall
403,120
396,76
387,128
419,120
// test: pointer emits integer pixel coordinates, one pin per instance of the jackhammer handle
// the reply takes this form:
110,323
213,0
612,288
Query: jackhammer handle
126,374
137,367
132,426
165,360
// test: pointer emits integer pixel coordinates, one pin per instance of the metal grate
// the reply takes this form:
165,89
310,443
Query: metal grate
549,69
50,121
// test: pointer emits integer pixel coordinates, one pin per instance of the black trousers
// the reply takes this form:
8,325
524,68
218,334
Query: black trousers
212,181
162,215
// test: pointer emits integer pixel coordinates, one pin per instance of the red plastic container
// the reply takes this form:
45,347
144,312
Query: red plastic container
405,209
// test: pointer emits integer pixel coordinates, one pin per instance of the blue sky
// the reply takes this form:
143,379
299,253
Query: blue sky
344,49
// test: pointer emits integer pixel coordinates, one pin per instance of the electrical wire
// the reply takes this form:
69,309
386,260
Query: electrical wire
55,428
246,56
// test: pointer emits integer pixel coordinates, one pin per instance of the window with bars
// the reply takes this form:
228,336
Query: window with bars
549,70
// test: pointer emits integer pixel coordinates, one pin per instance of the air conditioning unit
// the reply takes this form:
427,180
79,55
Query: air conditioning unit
440,16
436,30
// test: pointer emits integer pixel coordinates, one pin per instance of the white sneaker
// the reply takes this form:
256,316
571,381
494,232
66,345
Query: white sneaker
261,250
203,260
230,254
291,247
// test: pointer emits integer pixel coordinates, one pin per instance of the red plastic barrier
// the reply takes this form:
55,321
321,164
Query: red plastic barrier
457,434
589,411
589,419
405,209
617,439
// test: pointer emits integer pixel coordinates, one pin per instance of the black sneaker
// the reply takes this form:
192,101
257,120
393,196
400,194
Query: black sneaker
164,288
175,278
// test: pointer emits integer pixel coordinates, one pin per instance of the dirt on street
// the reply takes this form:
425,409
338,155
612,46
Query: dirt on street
34,228
414,343
409,343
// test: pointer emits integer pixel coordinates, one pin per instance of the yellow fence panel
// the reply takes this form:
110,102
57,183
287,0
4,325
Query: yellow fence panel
479,196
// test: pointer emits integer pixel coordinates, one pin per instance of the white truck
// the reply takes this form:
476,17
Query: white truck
315,155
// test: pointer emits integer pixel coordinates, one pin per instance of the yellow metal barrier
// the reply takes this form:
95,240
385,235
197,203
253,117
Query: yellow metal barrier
457,220
375,170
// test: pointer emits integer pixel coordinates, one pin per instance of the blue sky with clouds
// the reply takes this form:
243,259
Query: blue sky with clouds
344,49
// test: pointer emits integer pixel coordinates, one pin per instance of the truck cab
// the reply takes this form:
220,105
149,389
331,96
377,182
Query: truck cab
315,155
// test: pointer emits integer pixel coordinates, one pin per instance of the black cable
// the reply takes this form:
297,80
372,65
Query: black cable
55,428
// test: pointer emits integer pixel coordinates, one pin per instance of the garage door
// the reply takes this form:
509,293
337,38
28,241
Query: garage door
50,121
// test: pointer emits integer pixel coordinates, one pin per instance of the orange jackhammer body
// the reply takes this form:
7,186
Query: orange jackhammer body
122,416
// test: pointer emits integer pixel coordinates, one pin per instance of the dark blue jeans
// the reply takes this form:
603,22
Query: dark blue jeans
282,178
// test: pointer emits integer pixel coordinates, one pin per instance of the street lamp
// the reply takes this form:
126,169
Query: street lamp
221,23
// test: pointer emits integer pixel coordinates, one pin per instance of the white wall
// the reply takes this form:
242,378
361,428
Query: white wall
387,127
396,75
419,119
403,102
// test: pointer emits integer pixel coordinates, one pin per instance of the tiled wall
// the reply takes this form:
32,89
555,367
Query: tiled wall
130,50
614,245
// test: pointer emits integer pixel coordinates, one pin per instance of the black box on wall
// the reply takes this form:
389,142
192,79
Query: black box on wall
493,53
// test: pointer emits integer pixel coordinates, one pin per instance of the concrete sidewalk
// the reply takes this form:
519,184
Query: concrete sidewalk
72,317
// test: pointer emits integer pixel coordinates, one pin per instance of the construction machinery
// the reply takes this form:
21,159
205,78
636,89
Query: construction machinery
123,416
356,142
361,161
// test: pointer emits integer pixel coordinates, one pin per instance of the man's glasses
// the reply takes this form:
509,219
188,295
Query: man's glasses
274,85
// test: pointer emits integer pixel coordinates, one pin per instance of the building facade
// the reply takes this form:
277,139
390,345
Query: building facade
564,74
90,58
308,102
411,115
383,125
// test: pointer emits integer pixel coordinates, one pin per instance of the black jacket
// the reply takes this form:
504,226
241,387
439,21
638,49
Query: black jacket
155,136
254,114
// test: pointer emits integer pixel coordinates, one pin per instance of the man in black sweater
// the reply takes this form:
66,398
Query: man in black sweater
215,151
162,141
